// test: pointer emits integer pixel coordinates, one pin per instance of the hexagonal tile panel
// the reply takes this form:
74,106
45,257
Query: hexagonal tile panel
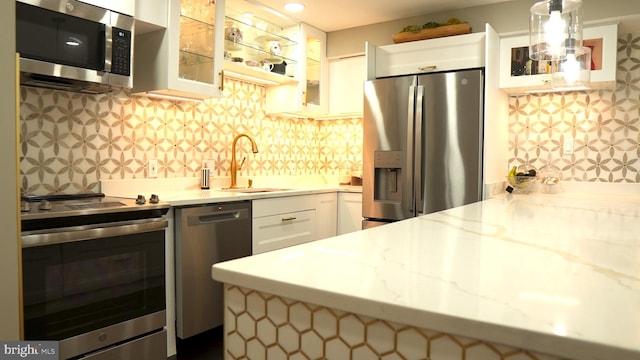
337,349
246,326
259,325
288,338
256,350
325,323
266,332
277,310
311,345
351,330
300,316
381,337
256,305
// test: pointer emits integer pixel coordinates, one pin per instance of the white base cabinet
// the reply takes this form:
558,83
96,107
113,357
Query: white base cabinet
326,219
283,222
349,212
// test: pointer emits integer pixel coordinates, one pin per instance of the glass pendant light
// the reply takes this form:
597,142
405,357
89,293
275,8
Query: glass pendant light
555,29
572,73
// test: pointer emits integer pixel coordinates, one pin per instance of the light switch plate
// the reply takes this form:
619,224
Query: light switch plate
152,168
567,148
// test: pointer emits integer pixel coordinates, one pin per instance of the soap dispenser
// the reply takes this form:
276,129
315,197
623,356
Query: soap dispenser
204,177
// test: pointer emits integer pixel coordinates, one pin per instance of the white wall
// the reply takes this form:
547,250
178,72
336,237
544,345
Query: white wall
10,323
505,17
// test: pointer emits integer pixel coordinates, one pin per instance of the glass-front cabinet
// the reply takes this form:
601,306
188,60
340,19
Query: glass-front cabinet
309,97
314,42
259,45
187,62
519,74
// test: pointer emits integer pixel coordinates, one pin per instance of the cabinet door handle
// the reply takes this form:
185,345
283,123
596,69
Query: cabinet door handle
289,219
221,87
427,68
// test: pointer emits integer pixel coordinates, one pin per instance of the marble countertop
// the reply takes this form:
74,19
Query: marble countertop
554,273
186,191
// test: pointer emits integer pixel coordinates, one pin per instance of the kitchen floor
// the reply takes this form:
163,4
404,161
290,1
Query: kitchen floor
208,345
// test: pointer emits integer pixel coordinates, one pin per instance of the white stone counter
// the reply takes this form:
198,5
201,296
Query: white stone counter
557,274
186,191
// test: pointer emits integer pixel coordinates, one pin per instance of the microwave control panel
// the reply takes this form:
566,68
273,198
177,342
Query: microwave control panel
121,52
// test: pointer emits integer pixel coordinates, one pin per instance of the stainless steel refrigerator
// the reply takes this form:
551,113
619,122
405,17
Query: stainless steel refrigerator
423,142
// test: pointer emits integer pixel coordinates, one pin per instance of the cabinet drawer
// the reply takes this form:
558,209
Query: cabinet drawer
282,205
283,230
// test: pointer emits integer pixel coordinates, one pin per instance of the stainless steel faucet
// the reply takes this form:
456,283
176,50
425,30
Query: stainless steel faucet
234,164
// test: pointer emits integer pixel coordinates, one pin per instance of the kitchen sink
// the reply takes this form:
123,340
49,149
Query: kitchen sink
255,190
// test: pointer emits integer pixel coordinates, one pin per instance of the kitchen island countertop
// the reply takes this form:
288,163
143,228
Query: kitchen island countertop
558,274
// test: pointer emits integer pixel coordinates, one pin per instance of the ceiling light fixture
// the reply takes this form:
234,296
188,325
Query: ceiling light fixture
294,7
555,29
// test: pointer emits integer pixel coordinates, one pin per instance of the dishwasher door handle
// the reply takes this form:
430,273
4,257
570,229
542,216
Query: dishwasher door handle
215,217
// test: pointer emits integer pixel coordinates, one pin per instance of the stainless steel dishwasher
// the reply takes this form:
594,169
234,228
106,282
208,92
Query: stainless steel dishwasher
206,235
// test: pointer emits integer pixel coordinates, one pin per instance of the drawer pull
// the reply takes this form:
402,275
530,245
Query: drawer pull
288,218
427,68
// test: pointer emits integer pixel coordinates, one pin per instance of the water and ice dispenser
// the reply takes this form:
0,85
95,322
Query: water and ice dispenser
388,175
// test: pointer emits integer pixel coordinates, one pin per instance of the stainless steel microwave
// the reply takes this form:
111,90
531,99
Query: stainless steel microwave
71,45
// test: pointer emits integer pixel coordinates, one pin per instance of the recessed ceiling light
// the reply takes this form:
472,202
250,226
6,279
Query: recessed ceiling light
294,7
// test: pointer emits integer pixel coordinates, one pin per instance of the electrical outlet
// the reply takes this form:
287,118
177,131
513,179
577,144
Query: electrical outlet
152,168
567,148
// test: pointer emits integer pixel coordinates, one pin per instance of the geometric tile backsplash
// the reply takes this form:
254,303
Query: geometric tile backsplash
604,126
69,141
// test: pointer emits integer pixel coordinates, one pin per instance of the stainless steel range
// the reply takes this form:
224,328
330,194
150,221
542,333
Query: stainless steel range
94,275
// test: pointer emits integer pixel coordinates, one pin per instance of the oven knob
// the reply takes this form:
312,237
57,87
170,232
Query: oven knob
44,205
154,199
24,206
140,200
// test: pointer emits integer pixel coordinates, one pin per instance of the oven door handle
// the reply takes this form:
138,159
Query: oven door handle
88,232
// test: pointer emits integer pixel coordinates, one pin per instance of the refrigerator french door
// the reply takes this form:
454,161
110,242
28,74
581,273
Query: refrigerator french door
423,142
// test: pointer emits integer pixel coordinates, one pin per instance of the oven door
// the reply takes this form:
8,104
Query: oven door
87,286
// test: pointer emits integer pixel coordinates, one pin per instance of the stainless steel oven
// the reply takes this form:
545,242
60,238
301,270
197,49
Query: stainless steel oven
94,276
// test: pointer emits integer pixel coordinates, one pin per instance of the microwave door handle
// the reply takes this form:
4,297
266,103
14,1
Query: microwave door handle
418,151
409,192
108,47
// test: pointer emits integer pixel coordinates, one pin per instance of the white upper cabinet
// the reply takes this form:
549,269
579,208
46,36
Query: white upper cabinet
151,15
424,56
519,74
184,61
346,85
127,7
308,97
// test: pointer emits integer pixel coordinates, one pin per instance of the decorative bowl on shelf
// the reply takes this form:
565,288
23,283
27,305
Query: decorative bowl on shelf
423,34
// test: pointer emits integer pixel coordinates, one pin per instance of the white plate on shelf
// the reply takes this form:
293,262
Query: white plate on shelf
231,46
274,60
264,38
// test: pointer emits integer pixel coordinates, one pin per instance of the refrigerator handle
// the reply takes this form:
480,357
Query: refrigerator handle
418,151
409,192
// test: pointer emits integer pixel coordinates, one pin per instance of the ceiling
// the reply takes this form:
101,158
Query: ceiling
333,15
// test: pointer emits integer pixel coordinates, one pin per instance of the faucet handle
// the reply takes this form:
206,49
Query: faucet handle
250,183
242,163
